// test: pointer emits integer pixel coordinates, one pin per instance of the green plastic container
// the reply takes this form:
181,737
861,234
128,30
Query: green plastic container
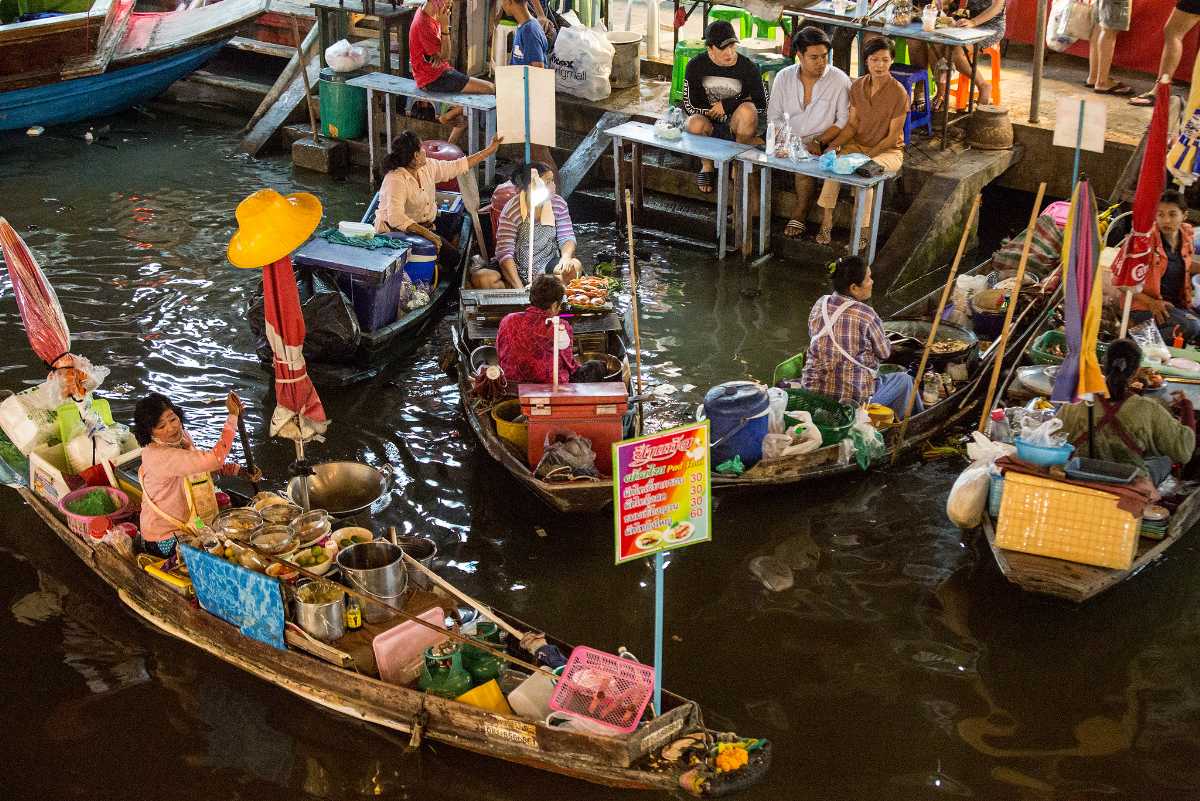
788,369
1040,351
831,417
685,51
738,17
343,107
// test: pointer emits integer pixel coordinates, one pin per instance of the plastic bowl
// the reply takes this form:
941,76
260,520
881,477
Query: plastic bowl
341,537
1043,456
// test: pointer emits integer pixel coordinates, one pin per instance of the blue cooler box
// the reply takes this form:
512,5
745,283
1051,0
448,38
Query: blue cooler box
372,279
422,258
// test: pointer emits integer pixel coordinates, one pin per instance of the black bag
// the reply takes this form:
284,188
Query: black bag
870,169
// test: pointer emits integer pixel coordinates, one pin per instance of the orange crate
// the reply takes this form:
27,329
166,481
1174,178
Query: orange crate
1063,521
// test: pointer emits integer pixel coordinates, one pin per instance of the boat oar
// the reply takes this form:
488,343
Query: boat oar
1012,305
246,448
462,596
937,318
468,186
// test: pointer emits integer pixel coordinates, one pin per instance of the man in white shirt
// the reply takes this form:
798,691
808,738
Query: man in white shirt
815,96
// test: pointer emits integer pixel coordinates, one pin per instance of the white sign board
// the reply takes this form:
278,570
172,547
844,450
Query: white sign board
1066,123
510,105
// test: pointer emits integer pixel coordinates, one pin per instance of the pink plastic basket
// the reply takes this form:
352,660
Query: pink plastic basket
81,523
604,688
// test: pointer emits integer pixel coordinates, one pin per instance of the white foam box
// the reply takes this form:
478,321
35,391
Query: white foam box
49,469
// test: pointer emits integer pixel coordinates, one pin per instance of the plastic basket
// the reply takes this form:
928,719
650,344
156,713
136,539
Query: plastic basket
788,369
604,688
1042,455
1065,521
80,523
1040,350
831,417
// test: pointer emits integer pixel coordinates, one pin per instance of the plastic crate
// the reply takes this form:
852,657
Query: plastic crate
1065,521
832,417
604,688
1081,468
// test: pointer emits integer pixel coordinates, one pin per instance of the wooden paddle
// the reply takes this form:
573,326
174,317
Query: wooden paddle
937,319
312,114
1012,305
462,596
246,448
468,186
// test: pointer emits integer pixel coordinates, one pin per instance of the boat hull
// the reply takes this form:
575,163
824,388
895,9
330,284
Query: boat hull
98,95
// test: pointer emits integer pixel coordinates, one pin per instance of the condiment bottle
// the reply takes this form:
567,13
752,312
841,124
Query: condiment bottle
354,617
998,429
931,390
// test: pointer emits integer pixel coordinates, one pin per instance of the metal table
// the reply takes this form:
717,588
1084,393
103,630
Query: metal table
389,86
765,163
719,151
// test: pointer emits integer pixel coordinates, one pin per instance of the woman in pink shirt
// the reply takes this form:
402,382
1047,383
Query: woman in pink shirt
178,494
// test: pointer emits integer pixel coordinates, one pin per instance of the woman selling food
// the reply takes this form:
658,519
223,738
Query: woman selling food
525,343
847,343
408,195
1129,428
553,234
178,494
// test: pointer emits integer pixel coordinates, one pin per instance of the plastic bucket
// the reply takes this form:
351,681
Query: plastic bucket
503,414
375,569
627,59
343,107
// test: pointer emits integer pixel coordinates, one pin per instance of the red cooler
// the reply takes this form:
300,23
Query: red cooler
593,411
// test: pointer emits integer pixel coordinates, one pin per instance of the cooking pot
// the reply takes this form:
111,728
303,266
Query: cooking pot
346,488
908,351
484,354
614,367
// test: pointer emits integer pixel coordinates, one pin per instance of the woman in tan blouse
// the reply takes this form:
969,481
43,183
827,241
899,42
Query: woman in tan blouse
878,105
408,195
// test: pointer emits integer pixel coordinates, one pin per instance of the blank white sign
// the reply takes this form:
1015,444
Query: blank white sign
510,105
1066,123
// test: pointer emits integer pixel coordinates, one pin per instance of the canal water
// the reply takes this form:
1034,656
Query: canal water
898,665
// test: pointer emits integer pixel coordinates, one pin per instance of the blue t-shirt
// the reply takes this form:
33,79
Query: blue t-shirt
530,44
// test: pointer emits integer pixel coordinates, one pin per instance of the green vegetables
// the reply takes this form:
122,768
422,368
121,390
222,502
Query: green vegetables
310,557
96,503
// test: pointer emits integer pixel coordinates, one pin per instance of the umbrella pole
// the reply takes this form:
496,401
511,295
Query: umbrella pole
1008,315
1091,428
1125,312
937,318
529,280
301,468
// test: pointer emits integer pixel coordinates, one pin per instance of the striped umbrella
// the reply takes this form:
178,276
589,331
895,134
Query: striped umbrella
299,414
1181,161
1080,375
40,310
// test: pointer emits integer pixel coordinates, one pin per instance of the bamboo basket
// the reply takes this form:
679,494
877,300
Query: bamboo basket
1064,521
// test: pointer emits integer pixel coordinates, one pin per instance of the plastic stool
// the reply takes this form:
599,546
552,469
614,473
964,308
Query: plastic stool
769,65
912,78
502,42
765,28
959,87
685,51
738,16
902,58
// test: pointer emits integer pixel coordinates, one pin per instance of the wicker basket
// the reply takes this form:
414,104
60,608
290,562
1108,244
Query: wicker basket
1064,521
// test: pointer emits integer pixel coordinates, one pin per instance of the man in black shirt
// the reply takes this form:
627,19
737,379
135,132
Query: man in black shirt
723,95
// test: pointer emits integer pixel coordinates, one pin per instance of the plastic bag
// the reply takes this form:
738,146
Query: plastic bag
582,63
342,56
777,400
774,574
1058,35
847,164
865,439
806,437
731,467
332,333
1042,433
567,456
1150,340
774,445
968,496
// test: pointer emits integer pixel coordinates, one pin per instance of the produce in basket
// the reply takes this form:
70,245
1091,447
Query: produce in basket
96,503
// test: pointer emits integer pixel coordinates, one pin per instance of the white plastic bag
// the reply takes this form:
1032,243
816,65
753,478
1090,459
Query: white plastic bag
1042,433
1062,27
582,63
968,496
776,404
341,56
774,445
806,437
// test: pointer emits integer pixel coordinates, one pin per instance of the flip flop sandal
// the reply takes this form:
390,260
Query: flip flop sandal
824,236
795,229
1144,100
706,181
1118,88
1089,84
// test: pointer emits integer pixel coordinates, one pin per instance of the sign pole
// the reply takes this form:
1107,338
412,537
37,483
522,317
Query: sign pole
528,157
1078,146
659,558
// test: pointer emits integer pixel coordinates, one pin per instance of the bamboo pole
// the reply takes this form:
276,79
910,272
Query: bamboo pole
479,606
937,318
1012,305
312,115
633,294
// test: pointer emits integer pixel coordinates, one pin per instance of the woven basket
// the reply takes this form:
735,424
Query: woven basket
1064,521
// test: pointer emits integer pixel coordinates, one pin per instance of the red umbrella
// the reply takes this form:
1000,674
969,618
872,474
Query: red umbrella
1133,260
40,311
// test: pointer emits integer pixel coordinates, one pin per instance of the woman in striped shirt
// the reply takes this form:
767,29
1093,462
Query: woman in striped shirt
553,236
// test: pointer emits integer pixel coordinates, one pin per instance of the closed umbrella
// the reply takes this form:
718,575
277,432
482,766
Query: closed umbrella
1080,375
40,310
270,227
1133,259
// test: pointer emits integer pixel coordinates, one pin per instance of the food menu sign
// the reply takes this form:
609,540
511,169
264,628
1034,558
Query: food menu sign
662,497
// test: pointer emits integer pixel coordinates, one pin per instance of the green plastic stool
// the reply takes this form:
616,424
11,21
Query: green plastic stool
685,51
769,65
765,28
902,58
738,16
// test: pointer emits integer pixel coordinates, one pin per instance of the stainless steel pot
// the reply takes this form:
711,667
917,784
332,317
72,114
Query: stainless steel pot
345,488
375,569
423,550
321,609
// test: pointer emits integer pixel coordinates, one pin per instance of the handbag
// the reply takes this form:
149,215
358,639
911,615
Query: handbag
869,169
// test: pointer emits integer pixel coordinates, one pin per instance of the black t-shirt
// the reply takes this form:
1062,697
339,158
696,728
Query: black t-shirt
1171,286
704,83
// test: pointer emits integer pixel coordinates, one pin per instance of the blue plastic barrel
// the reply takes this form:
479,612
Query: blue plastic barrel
737,414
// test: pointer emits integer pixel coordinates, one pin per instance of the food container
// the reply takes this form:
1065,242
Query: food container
351,535
238,524
503,415
320,557
593,411
311,527
345,488
881,416
274,540
738,414
81,523
375,569
280,514
423,550
320,610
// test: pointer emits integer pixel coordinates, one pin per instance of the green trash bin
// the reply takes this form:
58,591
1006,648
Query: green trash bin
343,107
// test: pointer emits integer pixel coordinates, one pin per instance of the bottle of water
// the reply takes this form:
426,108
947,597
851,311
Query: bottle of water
999,430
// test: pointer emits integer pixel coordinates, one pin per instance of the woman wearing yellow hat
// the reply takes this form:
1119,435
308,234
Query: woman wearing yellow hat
408,196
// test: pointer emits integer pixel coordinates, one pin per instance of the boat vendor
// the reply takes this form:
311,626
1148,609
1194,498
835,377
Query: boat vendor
553,235
525,346
847,344
1129,428
408,196
178,493
1166,294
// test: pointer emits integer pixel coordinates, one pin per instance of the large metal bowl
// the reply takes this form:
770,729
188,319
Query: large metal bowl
908,352
345,488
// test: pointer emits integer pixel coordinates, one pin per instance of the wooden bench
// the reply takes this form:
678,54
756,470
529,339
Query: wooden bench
381,89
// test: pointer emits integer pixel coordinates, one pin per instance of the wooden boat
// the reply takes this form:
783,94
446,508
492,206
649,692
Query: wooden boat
72,67
478,320
627,761
959,407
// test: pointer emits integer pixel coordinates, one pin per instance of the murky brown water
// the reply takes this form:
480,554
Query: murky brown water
899,665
